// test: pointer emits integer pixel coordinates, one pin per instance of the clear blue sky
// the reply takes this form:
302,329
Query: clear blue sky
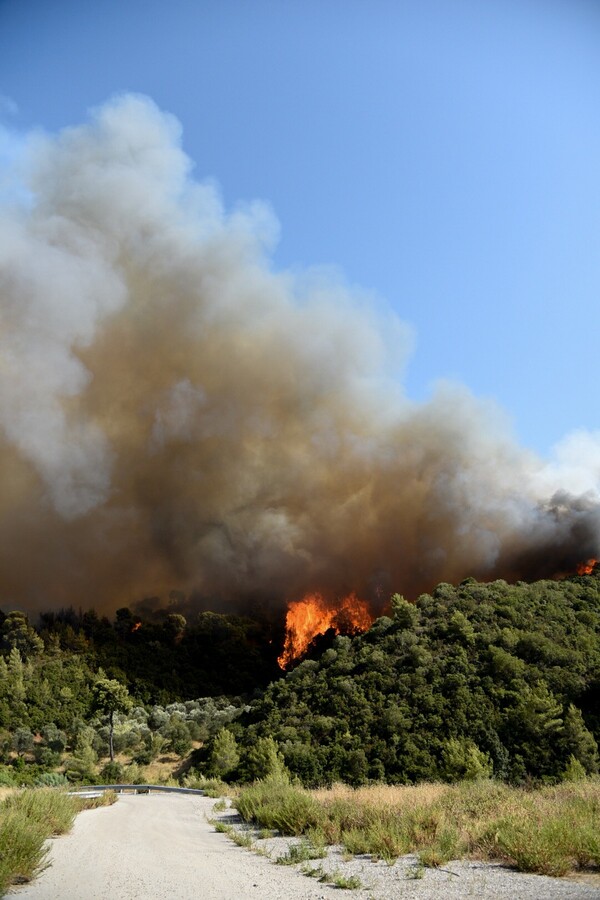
444,154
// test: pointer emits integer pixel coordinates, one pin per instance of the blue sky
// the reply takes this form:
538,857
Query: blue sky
443,155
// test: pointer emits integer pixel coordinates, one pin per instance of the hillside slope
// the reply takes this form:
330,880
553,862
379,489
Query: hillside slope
474,679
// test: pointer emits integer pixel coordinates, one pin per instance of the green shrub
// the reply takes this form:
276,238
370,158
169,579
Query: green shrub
27,818
54,738
112,773
212,787
46,757
224,755
574,770
300,852
463,760
346,882
275,803
51,779
53,809
7,777
444,847
22,850
264,760
24,773
533,846
132,774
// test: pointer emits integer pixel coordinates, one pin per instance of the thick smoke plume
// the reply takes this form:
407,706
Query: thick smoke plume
174,414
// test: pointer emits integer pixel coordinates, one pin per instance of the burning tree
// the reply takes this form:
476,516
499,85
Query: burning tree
313,615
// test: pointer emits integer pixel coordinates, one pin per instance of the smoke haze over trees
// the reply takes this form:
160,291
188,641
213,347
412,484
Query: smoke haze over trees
173,413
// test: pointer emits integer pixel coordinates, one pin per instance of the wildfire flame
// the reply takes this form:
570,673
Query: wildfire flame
586,568
313,615
136,627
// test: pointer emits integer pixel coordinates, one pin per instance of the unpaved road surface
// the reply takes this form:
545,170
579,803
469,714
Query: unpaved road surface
153,846
157,846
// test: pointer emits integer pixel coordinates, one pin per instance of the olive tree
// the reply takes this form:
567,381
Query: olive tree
108,697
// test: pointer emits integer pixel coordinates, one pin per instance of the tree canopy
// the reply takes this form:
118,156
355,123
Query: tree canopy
474,679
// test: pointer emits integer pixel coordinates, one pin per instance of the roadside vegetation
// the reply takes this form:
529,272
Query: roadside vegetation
549,830
27,818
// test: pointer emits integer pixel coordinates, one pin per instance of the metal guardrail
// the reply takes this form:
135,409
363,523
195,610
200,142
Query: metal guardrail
138,788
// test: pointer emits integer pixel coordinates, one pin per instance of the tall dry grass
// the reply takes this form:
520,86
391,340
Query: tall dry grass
551,830
27,818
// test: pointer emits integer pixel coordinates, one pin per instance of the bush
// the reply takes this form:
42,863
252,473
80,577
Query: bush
224,755
46,757
212,787
78,772
133,774
55,810
25,773
112,773
51,779
574,770
275,803
464,761
22,850
7,777
178,736
264,760
22,741
143,757
27,818
80,768
54,738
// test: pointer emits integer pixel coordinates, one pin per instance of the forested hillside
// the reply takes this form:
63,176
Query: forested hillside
478,679
161,659
171,671
481,678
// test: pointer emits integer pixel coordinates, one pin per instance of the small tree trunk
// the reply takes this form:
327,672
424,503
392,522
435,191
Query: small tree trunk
110,736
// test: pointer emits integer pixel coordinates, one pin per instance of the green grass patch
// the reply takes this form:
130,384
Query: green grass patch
241,838
301,852
315,872
347,882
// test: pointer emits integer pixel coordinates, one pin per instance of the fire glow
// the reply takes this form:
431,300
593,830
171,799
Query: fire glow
586,568
313,616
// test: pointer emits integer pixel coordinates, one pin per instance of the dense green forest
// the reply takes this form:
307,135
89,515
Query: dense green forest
475,679
478,679
184,680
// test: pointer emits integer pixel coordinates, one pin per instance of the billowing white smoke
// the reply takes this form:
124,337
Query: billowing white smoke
175,414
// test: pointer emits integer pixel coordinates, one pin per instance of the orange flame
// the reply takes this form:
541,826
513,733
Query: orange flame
136,626
312,615
586,568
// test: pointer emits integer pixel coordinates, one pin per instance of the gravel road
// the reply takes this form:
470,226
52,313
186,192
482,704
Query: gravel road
157,846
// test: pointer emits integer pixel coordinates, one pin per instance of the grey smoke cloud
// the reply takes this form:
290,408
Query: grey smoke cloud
175,414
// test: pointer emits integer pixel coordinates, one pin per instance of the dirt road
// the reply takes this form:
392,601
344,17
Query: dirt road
158,846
